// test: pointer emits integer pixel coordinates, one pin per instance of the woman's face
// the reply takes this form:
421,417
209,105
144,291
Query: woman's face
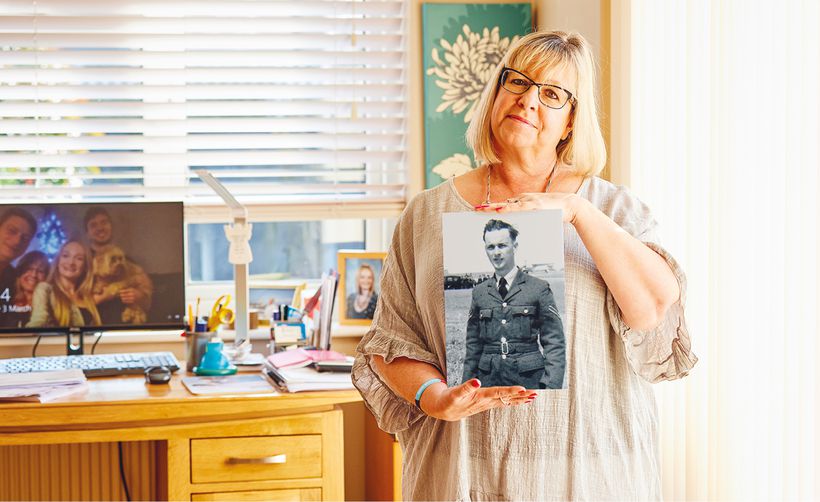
365,280
521,122
71,263
33,275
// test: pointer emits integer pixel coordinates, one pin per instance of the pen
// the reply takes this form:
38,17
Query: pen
191,318
197,307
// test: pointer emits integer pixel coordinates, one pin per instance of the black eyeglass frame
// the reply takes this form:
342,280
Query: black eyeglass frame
571,99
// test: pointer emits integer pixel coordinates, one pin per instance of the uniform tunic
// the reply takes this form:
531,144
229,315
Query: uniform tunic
506,336
596,439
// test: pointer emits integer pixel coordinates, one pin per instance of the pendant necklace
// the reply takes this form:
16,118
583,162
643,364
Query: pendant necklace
547,189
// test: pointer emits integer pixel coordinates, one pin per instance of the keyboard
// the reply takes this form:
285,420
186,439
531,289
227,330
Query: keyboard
94,365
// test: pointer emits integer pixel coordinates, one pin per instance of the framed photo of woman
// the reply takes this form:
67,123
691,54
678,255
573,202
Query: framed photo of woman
359,275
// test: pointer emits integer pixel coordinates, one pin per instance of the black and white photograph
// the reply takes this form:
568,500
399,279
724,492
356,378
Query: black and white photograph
504,298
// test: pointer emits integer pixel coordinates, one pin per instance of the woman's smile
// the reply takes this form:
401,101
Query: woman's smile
522,120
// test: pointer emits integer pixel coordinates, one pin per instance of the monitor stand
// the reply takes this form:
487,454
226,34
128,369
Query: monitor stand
74,349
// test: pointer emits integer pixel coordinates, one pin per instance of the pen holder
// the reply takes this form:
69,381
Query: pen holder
195,344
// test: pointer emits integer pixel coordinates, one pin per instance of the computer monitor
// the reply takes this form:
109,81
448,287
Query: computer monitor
91,267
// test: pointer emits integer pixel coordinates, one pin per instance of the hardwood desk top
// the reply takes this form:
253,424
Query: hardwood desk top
127,402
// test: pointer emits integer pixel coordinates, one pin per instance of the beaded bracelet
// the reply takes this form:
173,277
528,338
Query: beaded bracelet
423,388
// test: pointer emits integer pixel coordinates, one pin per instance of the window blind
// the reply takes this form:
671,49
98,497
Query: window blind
283,101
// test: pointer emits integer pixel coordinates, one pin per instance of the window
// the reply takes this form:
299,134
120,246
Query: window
298,107
281,250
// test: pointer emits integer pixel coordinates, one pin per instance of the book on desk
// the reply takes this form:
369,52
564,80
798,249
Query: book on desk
296,370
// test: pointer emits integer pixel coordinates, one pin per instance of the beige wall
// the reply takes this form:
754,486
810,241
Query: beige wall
590,18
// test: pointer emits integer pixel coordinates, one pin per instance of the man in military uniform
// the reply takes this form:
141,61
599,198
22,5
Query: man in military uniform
514,332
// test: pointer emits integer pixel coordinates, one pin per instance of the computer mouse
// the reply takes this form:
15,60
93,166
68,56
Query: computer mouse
157,374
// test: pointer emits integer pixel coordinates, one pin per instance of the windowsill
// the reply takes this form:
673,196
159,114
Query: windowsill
165,336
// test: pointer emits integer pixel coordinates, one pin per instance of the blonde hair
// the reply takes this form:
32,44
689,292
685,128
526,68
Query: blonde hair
62,301
583,149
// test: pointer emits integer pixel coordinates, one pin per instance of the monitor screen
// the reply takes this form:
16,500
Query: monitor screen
90,265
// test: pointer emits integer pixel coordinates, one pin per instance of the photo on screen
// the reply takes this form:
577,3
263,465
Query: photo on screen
504,298
88,265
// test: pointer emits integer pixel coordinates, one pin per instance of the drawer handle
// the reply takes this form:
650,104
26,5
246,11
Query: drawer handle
273,459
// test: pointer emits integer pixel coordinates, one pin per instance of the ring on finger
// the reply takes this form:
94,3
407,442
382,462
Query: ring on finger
504,401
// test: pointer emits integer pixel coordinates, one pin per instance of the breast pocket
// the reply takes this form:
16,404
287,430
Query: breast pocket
523,316
485,316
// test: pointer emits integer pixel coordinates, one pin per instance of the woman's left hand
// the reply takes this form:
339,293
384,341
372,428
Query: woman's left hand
568,203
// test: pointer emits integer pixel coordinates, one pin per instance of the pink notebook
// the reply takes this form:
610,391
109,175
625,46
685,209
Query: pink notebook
301,357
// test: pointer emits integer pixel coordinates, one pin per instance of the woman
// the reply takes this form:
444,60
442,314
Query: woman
536,131
362,303
65,298
32,269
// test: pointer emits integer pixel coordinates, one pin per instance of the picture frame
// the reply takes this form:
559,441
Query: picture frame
355,308
461,43
263,294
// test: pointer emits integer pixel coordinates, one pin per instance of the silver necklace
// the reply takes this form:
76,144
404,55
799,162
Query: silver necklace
547,189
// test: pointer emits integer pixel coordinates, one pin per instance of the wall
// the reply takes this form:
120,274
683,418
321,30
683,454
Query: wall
590,18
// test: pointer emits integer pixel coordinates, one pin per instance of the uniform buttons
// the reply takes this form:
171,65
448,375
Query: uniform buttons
504,304
526,311
503,321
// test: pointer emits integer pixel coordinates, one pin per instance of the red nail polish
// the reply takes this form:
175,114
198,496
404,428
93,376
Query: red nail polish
476,383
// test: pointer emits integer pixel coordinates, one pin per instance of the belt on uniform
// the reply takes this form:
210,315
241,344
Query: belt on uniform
505,347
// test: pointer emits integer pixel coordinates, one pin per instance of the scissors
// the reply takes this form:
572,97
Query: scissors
220,313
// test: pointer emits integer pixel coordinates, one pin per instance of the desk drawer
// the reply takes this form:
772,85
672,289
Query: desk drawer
297,495
256,458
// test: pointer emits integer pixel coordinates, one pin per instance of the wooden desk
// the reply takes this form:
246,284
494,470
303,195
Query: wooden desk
195,436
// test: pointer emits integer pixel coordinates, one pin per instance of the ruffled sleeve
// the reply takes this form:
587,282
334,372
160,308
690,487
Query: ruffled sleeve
665,352
397,331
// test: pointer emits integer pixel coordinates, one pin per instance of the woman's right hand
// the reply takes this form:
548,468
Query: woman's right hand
469,398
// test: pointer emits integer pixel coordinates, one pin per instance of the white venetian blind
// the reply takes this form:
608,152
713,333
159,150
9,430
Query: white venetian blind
282,100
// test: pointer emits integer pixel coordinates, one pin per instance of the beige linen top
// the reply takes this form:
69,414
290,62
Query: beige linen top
595,440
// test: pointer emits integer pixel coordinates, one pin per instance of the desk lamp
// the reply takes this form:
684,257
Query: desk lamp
239,254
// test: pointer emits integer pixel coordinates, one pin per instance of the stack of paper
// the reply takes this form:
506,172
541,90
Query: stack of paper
41,386
289,370
302,379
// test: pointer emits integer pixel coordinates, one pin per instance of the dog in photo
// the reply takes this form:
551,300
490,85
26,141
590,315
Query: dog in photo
113,272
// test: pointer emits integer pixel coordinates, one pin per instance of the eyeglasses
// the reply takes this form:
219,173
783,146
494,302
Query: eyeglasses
550,95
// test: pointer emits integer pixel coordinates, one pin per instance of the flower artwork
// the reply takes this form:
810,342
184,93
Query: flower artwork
467,65
455,165
463,44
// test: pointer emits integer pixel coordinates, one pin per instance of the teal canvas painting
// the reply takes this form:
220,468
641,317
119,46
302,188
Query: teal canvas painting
462,45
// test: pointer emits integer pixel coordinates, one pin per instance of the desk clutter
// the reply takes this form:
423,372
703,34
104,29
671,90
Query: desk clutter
41,386
288,371
302,370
